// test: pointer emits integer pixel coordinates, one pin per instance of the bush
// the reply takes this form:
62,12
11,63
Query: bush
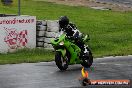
7,2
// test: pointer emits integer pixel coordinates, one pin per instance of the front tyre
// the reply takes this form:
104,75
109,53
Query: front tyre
62,63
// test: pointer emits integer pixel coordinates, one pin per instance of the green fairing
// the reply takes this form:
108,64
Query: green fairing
61,38
69,46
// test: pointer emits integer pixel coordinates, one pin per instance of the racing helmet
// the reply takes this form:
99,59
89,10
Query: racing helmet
63,21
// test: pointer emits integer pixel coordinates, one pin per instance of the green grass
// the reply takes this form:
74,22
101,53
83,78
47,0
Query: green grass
110,32
26,56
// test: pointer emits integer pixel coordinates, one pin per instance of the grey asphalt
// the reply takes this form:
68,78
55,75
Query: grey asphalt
47,75
125,2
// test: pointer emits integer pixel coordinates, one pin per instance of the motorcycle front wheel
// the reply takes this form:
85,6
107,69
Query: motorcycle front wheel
61,62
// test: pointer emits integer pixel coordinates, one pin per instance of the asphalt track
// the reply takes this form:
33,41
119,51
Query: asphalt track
125,2
47,75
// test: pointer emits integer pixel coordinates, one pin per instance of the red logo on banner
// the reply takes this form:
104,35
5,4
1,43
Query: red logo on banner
15,39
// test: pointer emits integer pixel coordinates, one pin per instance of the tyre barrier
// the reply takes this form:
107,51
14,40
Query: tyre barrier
40,39
41,28
52,26
40,33
51,34
41,22
47,40
39,44
45,31
47,45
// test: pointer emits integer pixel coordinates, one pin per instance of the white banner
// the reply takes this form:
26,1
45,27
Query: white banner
17,32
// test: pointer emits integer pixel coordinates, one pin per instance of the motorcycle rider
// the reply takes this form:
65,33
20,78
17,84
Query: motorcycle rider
72,33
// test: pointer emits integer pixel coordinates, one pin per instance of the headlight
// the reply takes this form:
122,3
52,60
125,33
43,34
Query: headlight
61,43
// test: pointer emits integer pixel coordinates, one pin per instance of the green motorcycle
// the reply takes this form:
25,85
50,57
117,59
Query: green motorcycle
68,53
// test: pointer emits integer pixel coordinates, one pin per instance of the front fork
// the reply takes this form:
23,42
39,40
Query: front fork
63,52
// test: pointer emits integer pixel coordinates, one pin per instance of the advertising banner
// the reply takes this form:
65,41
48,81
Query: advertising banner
17,32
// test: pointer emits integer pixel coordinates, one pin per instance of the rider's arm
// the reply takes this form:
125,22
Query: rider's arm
76,33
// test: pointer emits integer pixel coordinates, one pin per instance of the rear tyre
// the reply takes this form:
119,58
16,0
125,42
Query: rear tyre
62,63
88,59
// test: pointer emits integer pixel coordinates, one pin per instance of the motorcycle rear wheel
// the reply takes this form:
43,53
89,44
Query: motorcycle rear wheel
87,61
60,62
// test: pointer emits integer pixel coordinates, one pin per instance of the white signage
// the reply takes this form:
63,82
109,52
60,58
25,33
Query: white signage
17,32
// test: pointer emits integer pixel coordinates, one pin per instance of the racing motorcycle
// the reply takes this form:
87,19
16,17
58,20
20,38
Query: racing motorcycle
68,53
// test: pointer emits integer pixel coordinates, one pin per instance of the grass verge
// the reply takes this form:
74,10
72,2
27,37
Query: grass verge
27,56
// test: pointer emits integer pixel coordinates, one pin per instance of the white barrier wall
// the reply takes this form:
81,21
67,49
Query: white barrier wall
17,32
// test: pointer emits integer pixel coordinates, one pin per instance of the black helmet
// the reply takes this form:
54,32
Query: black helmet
63,21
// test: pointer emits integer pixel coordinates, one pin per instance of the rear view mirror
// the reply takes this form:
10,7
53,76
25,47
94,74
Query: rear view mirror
86,38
